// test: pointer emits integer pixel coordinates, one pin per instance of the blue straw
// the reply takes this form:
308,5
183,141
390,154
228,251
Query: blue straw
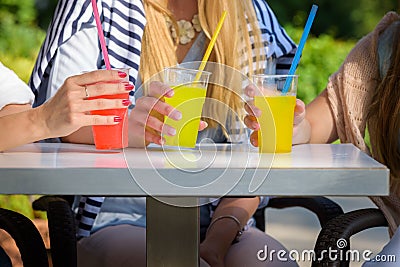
300,48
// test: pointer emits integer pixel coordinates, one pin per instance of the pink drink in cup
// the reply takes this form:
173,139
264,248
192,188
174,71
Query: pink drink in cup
112,136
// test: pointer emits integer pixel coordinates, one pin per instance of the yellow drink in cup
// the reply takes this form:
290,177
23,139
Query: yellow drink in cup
189,101
277,112
277,126
189,97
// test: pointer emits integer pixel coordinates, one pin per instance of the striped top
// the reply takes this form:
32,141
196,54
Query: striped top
123,24
282,46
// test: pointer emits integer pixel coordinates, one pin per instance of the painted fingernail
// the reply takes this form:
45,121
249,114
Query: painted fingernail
117,119
254,125
126,102
170,93
121,74
253,141
171,132
176,115
129,87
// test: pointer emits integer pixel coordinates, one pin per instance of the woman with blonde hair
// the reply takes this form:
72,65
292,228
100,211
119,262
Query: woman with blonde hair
165,33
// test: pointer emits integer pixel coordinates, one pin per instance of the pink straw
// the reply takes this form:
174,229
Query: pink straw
101,35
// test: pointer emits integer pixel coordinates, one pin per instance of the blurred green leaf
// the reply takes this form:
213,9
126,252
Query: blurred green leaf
321,57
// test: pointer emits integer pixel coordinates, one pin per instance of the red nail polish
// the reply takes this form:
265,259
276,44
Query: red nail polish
117,119
121,74
126,102
129,87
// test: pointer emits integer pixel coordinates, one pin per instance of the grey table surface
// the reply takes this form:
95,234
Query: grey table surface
181,177
208,170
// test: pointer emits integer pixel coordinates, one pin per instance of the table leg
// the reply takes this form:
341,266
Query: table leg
172,232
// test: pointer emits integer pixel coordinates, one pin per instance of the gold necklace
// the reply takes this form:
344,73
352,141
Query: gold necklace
187,30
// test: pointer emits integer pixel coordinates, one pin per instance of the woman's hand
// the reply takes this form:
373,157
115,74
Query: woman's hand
253,113
68,110
146,121
210,255
299,120
229,218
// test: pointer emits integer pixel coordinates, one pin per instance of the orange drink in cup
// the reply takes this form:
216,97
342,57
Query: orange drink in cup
112,136
277,112
189,97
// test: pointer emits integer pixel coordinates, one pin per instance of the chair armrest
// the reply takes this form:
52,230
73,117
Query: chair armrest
62,230
26,236
4,259
324,208
341,229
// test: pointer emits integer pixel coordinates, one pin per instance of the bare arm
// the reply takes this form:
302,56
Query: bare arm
221,233
10,109
321,121
19,128
64,113
83,136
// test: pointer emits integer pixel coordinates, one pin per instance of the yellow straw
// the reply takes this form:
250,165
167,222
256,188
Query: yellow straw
211,45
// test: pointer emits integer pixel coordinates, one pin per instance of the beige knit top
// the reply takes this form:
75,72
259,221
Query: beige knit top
350,91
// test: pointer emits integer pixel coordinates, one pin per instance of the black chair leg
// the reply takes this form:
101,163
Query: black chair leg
4,259
335,235
62,231
62,234
324,208
26,236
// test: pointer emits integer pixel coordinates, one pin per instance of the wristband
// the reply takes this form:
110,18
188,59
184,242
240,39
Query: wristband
236,220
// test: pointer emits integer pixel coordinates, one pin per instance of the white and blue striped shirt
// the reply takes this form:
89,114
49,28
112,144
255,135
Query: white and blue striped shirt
123,23
283,47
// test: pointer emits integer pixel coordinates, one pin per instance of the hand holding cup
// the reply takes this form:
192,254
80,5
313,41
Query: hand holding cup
68,110
279,110
146,121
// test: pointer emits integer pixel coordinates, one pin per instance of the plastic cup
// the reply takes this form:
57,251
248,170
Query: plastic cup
112,136
189,97
277,112
270,66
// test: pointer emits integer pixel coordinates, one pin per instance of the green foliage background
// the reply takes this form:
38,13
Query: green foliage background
339,18
321,57
338,24
20,36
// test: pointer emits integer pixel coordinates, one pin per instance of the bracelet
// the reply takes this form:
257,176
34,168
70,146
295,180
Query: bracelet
240,231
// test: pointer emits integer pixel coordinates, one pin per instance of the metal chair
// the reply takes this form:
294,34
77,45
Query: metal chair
324,208
62,231
62,221
26,236
335,235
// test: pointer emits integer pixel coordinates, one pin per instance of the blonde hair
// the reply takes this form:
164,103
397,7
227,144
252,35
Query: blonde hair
159,48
